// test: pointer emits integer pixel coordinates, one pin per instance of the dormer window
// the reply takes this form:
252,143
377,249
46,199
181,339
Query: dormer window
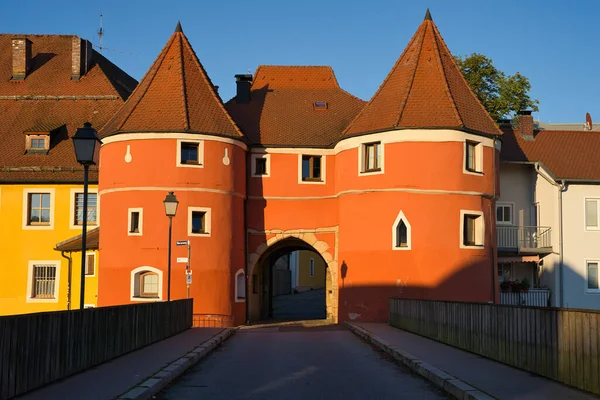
38,142
320,105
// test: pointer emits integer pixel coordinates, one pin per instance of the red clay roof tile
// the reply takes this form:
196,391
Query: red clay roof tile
424,89
281,111
175,95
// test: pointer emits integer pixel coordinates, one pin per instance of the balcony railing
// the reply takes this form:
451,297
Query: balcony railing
534,298
524,239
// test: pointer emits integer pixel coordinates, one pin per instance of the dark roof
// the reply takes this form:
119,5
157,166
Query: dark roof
74,243
567,154
281,111
47,100
424,89
175,95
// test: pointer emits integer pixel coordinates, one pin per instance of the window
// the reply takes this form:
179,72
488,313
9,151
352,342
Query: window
504,214
312,267
189,153
255,284
135,222
401,233
92,208
199,221
90,264
320,105
472,229
372,157
473,157
149,285
311,168
591,214
37,143
592,276
240,286
38,209
146,284
44,281
260,165
504,271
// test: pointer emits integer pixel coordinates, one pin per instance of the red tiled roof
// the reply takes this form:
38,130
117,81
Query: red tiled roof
175,95
48,100
567,154
424,89
281,110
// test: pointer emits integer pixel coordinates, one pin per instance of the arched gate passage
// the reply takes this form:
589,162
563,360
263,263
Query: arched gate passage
267,246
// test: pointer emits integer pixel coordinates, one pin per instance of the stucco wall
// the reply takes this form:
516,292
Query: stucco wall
317,281
517,189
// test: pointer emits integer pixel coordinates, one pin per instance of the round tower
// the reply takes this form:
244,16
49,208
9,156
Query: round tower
173,135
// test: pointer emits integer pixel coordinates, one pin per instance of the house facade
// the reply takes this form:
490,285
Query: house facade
547,214
49,86
396,195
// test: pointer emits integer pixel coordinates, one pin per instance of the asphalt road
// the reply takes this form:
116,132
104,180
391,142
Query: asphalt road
301,363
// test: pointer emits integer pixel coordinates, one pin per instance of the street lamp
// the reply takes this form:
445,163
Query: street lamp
170,209
87,146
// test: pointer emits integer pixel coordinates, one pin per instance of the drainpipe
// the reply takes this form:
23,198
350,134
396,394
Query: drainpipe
561,188
62,254
247,302
493,231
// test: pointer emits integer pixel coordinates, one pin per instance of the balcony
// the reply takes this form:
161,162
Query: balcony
524,239
534,298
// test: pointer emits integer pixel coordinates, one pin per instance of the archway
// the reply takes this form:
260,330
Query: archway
264,289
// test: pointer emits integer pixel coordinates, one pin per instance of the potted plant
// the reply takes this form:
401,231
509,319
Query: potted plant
516,286
526,285
505,285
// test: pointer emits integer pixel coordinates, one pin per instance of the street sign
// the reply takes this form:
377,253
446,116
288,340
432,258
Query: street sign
182,242
182,259
188,272
188,279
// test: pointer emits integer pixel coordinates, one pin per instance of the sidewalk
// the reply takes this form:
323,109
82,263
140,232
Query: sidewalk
113,378
494,378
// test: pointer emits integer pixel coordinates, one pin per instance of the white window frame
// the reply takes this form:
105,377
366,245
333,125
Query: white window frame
91,253
74,192
587,290
585,200
401,217
479,229
237,287
512,213
200,153
253,159
140,221
312,267
361,158
207,221
478,158
28,297
26,193
135,277
323,168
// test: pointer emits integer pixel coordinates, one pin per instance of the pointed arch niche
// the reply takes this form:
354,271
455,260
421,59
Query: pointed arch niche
401,233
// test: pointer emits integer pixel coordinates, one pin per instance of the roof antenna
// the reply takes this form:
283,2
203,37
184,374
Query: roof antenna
100,33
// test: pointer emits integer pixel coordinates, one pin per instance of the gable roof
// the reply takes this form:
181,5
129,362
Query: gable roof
48,100
74,243
424,89
281,111
567,154
175,95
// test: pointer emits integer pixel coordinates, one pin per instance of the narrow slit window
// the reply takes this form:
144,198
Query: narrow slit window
311,168
90,264
135,222
372,157
260,166
402,235
312,267
592,278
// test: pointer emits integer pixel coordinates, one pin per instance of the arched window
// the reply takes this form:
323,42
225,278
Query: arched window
240,286
146,284
401,233
149,284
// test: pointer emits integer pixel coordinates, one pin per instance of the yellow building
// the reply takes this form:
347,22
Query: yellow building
308,270
49,86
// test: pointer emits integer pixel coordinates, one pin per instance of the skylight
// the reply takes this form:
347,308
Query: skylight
320,105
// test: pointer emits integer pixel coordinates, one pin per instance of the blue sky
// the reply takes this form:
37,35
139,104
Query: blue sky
553,43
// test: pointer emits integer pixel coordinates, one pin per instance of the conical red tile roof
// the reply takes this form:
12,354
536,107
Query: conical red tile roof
175,95
424,89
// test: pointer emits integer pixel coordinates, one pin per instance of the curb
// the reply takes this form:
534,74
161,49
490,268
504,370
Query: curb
146,389
447,383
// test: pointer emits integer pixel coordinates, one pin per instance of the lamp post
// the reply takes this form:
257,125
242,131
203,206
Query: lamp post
87,146
170,203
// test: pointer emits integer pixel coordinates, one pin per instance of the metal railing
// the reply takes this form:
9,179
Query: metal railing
533,298
518,238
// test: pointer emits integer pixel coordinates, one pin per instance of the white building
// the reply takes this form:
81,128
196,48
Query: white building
548,214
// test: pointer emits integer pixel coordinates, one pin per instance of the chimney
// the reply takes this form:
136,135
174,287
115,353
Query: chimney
21,58
81,57
243,82
526,124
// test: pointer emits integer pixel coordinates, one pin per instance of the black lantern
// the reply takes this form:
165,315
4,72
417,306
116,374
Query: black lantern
87,145
170,203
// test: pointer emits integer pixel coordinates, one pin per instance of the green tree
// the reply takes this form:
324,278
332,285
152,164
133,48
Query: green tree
501,95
